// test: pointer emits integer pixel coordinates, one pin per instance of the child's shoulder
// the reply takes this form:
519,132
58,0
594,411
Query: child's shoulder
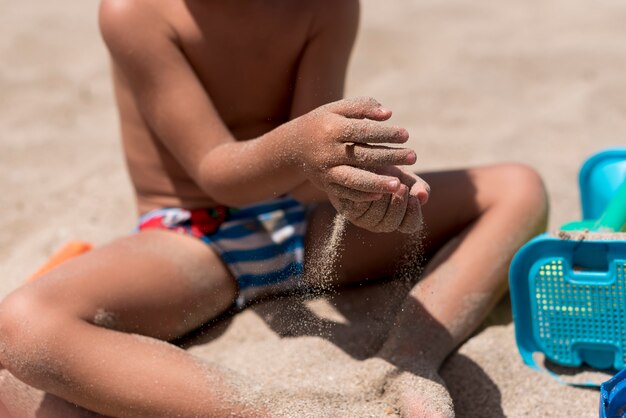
131,17
123,17
127,25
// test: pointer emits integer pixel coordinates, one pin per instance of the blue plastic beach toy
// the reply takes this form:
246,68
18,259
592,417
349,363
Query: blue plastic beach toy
568,290
613,397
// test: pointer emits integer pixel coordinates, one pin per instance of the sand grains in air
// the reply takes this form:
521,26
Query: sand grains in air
326,265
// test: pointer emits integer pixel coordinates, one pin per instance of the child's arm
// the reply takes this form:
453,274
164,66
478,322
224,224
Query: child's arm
322,71
315,146
320,79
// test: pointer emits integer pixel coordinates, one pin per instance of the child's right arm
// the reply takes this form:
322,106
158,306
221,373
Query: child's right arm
326,146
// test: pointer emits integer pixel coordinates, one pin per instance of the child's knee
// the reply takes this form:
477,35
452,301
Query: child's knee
524,195
28,328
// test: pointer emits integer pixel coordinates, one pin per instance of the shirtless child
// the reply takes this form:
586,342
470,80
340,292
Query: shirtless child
237,104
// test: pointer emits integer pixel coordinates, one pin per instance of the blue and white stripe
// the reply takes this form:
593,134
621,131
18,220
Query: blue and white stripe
262,245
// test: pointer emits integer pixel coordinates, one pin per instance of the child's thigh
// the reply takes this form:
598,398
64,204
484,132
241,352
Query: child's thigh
457,199
156,283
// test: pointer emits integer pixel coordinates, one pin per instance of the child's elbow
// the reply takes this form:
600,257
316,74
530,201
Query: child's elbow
224,192
232,200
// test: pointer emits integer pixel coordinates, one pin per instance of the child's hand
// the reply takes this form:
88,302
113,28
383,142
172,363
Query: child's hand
336,152
398,211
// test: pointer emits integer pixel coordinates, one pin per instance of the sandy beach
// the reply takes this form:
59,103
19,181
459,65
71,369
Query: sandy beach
474,82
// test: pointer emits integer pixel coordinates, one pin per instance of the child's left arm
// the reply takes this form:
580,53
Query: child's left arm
320,80
322,71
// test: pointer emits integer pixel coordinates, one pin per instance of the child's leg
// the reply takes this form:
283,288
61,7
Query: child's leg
89,331
4,412
24,401
475,221
476,231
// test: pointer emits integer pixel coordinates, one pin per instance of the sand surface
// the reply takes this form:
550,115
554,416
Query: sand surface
536,81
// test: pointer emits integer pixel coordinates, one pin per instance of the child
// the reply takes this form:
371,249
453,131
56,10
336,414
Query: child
237,104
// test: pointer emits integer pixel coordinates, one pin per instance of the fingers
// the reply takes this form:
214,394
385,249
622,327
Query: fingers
421,190
418,188
386,214
367,132
343,192
374,215
399,209
360,108
393,212
371,156
396,211
349,209
412,221
361,180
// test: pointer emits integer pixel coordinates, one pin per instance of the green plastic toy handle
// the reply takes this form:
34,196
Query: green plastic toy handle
613,218
578,226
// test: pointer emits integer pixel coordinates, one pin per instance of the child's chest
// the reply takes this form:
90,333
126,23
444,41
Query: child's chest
246,55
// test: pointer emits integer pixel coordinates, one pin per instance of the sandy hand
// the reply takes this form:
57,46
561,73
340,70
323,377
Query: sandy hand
339,148
397,211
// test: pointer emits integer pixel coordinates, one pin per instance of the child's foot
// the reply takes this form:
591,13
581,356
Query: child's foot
419,393
422,396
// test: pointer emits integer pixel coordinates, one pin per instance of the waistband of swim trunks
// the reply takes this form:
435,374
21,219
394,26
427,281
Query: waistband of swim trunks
229,213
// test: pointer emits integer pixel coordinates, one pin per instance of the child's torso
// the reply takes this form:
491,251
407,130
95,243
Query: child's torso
245,53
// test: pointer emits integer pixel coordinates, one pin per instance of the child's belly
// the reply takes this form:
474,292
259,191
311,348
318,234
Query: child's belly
158,178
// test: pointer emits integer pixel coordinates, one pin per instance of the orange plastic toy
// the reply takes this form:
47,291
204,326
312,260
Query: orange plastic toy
68,251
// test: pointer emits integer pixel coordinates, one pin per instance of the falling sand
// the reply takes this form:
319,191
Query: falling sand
377,383
330,252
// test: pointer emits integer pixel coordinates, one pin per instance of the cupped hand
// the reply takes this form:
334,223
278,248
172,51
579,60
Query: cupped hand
398,211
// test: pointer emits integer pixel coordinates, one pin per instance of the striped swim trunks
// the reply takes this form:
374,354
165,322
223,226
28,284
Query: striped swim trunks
262,245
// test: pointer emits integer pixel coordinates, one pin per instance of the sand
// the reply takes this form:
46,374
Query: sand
325,258
589,236
539,82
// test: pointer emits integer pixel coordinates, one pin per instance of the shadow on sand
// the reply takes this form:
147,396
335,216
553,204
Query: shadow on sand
357,320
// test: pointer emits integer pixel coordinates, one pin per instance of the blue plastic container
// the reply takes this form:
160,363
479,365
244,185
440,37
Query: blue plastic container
613,397
599,179
569,295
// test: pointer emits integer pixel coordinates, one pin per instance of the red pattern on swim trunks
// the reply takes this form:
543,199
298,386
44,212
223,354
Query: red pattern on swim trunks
206,221
196,222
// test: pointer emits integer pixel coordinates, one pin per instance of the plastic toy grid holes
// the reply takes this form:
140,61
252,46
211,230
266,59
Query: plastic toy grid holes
566,312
